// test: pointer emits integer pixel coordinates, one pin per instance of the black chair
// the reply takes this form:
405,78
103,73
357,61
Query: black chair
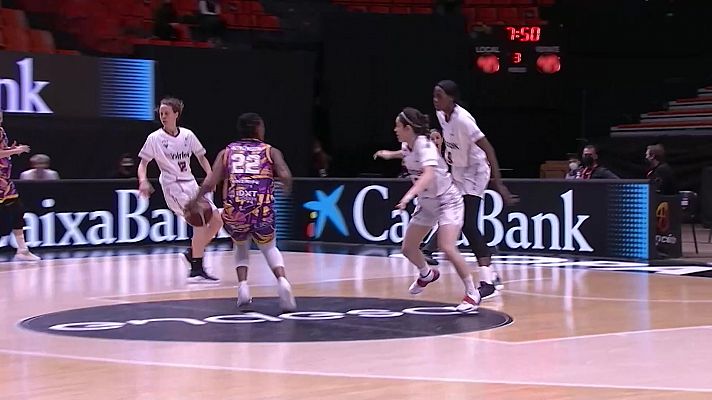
690,207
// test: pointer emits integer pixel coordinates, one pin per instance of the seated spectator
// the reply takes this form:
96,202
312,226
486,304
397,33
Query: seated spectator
659,171
210,22
574,165
40,169
165,21
591,169
320,160
126,167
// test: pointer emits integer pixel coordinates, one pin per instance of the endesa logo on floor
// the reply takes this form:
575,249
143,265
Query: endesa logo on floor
589,218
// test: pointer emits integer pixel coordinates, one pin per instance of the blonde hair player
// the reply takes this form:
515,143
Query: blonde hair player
439,201
171,147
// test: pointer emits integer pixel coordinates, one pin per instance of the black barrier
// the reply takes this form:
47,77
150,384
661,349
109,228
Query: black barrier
73,213
76,86
668,225
594,218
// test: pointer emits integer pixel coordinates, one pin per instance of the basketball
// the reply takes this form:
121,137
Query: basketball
200,214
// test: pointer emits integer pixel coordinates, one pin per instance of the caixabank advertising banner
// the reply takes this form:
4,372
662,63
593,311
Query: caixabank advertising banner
592,218
595,218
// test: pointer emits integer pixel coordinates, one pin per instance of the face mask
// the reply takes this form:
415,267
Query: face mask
587,161
573,166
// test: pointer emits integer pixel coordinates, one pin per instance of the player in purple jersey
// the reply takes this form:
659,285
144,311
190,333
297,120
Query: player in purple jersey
249,166
11,210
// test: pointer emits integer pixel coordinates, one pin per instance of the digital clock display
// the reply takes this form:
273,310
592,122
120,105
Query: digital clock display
523,33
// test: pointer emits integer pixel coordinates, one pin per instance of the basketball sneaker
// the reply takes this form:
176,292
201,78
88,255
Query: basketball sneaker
487,290
469,303
286,298
200,276
25,255
243,294
419,285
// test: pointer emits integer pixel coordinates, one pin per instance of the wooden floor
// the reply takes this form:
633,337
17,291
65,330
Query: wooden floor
578,333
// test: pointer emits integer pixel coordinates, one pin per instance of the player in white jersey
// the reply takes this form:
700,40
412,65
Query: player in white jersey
473,164
172,147
439,202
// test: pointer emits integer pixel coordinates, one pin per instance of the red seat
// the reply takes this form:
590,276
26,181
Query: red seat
379,10
529,13
14,18
41,42
16,39
422,10
478,2
487,14
400,10
508,14
268,22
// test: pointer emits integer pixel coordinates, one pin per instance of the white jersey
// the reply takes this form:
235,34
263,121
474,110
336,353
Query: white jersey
424,154
459,136
172,153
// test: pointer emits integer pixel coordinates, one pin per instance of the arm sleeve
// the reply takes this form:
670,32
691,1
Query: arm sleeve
197,147
428,153
147,151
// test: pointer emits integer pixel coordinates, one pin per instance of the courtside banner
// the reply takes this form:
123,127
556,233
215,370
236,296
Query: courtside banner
595,218
592,218
85,213
77,86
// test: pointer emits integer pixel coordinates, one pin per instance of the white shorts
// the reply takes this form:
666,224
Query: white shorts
446,209
179,193
472,180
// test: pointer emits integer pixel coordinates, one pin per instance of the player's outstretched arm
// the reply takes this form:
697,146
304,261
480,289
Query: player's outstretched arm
215,175
281,168
388,154
204,163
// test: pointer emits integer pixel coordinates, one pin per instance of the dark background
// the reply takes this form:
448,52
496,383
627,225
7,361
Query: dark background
619,59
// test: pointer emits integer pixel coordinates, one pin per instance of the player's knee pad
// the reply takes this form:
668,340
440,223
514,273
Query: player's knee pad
242,253
272,254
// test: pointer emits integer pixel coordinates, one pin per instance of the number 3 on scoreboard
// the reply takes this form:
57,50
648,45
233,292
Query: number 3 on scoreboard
241,164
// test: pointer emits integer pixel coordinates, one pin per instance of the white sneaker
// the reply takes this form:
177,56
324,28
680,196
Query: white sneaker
286,298
25,256
202,277
497,281
469,303
243,294
419,285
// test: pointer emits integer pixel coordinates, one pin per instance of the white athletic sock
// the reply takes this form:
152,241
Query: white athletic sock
469,285
486,273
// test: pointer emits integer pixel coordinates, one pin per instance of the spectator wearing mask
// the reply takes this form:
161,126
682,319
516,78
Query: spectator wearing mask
40,170
590,168
126,168
659,171
574,165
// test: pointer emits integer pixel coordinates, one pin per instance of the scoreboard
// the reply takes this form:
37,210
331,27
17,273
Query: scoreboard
518,50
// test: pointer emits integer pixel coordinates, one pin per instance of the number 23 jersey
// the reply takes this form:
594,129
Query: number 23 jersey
172,153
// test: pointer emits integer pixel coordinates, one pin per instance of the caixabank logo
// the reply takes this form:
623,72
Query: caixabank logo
317,319
325,209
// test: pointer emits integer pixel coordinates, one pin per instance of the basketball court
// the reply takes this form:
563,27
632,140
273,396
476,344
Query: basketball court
125,325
